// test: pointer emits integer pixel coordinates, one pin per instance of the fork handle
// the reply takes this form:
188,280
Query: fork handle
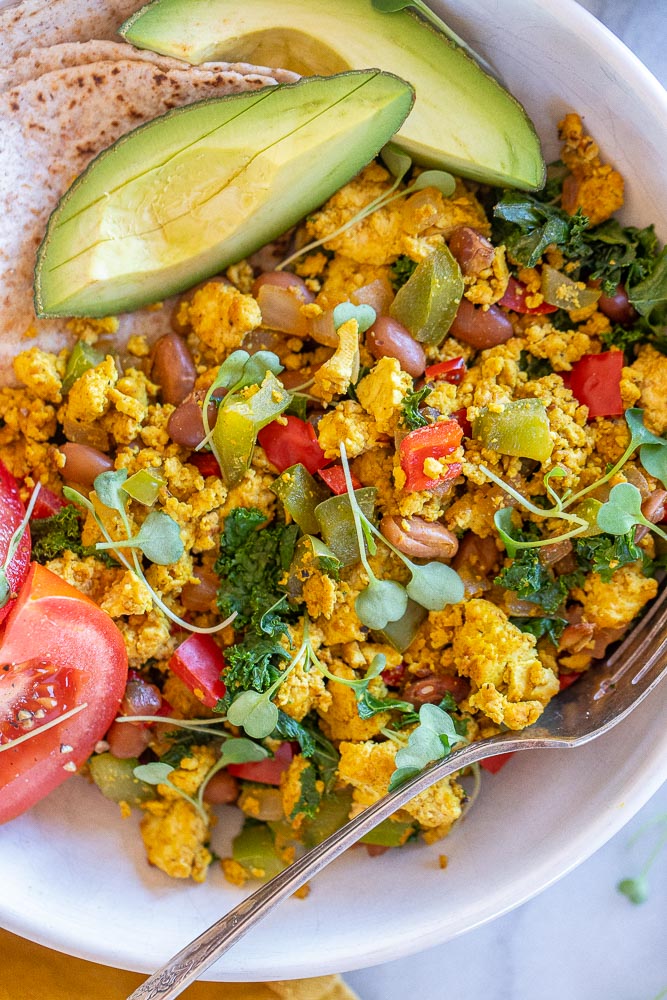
193,960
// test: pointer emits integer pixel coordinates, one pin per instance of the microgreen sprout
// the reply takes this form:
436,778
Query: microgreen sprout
236,750
433,739
432,584
157,773
237,372
590,516
398,164
42,729
636,888
158,536
365,315
6,594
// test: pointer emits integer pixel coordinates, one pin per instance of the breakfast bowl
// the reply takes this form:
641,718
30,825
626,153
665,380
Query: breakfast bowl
73,874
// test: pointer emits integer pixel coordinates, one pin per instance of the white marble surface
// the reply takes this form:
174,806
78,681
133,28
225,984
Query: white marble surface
580,939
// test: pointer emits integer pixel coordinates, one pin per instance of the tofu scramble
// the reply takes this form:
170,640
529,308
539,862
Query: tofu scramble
484,459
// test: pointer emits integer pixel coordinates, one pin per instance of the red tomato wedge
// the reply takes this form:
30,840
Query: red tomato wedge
595,380
12,513
206,462
435,441
268,771
47,504
334,477
286,444
199,662
59,651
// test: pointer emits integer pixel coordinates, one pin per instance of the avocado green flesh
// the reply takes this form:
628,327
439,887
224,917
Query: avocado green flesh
218,179
462,121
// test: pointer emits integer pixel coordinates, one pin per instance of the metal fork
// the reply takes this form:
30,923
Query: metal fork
599,700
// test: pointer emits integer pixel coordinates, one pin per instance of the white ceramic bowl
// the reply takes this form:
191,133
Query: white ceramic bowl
73,874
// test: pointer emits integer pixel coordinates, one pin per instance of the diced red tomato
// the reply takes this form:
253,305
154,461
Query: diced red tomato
393,676
461,417
595,380
47,504
12,513
292,443
515,299
334,477
566,679
435,441
494,764
58,651
446,371
199,662
206,462
268,771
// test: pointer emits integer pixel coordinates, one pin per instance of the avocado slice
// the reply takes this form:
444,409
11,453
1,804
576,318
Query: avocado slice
462,121
203,186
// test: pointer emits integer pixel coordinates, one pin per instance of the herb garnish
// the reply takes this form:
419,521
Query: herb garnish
411,417
636,888
51,536
433,739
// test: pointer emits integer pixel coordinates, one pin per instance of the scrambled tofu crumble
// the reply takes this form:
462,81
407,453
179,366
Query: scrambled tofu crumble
439,457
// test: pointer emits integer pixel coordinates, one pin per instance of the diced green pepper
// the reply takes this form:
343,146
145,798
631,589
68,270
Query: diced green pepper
588,510
333,812
561,291
300,495
115,779
428,301
144,486
82,358
400,633
521,429
336,523
239,422
310,554
254,848
389,833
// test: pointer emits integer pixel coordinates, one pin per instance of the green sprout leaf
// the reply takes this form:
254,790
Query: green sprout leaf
382,601
395,160
636,889
433,739
159,538
364,315
435,585
110,492
622,510
255,713
504,522
156,773
440,179
654,459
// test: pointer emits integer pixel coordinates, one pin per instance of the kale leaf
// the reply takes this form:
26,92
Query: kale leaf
411,417
527,226
402,269
368,705
51,536
603,554
251,562
532,581
552,628
310,795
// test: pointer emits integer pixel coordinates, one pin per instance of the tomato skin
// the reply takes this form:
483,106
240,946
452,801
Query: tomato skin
53,624
334,477
494,764
268,771
47,504
461,417
595,380
515,300
447,371
206,462
292,443
12,513
434,441
199,662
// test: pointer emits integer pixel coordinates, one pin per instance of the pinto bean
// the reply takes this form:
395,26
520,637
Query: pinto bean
472,251
555,551
283,279
577,637
172,368
140,698
83,463
128,739
387,338
431,690
419,538
618,307
481,327
200,596
222,789
603,638
653,509
477,555
185,426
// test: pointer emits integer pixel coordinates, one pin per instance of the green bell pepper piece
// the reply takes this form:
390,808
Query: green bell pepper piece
520,429
82,358
144,486
254,848
428,301
400,633
389,833
300,495
115,779
310,554
336,523
238,423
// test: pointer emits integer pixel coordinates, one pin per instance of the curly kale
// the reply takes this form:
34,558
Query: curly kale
51,536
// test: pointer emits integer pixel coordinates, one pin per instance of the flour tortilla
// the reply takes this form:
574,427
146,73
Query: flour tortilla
61,105
42,60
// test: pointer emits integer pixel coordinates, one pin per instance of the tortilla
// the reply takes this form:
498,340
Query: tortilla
40,61
51,127
28,24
